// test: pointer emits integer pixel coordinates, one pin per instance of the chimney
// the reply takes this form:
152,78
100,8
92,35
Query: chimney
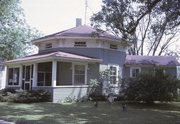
78,22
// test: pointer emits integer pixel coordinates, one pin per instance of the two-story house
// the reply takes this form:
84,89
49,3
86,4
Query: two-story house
66,62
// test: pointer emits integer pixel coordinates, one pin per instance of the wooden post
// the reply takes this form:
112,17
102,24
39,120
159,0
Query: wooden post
35,74
54,73
20,75
5,81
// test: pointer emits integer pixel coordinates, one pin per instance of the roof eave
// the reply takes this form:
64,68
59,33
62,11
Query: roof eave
51,58
74,37
140,65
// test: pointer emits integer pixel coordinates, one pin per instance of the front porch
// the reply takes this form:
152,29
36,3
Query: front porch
62,77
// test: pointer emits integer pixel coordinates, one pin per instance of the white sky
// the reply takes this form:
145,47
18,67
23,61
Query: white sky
50,16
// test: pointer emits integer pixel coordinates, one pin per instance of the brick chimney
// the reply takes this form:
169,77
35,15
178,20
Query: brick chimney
78,22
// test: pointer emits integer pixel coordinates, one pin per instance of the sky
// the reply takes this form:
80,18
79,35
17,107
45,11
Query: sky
50,16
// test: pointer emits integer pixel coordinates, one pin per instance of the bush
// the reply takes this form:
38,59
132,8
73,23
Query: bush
23,96
150,87
70,99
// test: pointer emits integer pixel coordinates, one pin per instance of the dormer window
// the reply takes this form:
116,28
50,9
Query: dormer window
80,44
113,46
48,45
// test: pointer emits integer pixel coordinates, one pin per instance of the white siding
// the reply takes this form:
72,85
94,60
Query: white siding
91,43
2,78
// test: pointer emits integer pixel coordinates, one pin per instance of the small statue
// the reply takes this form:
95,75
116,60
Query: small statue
110,99
124,106
96,104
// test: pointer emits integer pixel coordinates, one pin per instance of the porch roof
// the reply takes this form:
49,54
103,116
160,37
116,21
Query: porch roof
151,60
54,55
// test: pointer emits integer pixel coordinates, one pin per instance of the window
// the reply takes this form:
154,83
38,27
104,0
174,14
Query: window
79,74
113,46
48,45
135,71
44,78
13,78
44,74
113,74
80,44
160,71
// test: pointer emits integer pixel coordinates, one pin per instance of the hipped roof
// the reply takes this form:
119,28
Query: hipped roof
151,60
55,55
80,31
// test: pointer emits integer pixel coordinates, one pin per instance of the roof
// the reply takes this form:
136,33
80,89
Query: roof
80,31
151,60
55,55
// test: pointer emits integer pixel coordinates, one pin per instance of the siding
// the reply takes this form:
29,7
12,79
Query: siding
169,70
92,72
108,56
16,87
2,76
60,94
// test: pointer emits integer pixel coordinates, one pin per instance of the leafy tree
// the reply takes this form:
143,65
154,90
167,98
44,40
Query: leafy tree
150,25
15,33
151,87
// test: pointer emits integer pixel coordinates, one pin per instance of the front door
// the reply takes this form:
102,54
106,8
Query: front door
27,77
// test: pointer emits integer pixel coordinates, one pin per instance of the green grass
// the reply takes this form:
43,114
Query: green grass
86,113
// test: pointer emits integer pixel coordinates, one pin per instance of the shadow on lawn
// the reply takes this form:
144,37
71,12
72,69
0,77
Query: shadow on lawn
49,113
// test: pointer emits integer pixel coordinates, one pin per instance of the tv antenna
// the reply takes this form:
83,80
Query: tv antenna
86,8
85,16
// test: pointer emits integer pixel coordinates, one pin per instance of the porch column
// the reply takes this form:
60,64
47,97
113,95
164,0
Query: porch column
54,73
20,75
34,74
6,76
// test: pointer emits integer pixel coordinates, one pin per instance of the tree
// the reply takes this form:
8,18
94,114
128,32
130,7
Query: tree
150,25
15,33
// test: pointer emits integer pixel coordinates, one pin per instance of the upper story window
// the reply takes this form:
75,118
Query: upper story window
135,71
48,45
113,46
80,44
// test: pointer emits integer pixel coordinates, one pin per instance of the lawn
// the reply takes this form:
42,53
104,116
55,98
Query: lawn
86,113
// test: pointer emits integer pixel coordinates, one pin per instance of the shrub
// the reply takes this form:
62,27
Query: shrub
23,96
94,88
150,87
6,90
70,99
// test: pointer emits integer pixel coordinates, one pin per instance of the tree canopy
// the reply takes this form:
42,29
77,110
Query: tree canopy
15,33
150,25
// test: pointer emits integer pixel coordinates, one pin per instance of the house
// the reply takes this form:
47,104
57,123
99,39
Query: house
68,60
2,76
147,64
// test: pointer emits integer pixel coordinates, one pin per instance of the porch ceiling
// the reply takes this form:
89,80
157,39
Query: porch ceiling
54,55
